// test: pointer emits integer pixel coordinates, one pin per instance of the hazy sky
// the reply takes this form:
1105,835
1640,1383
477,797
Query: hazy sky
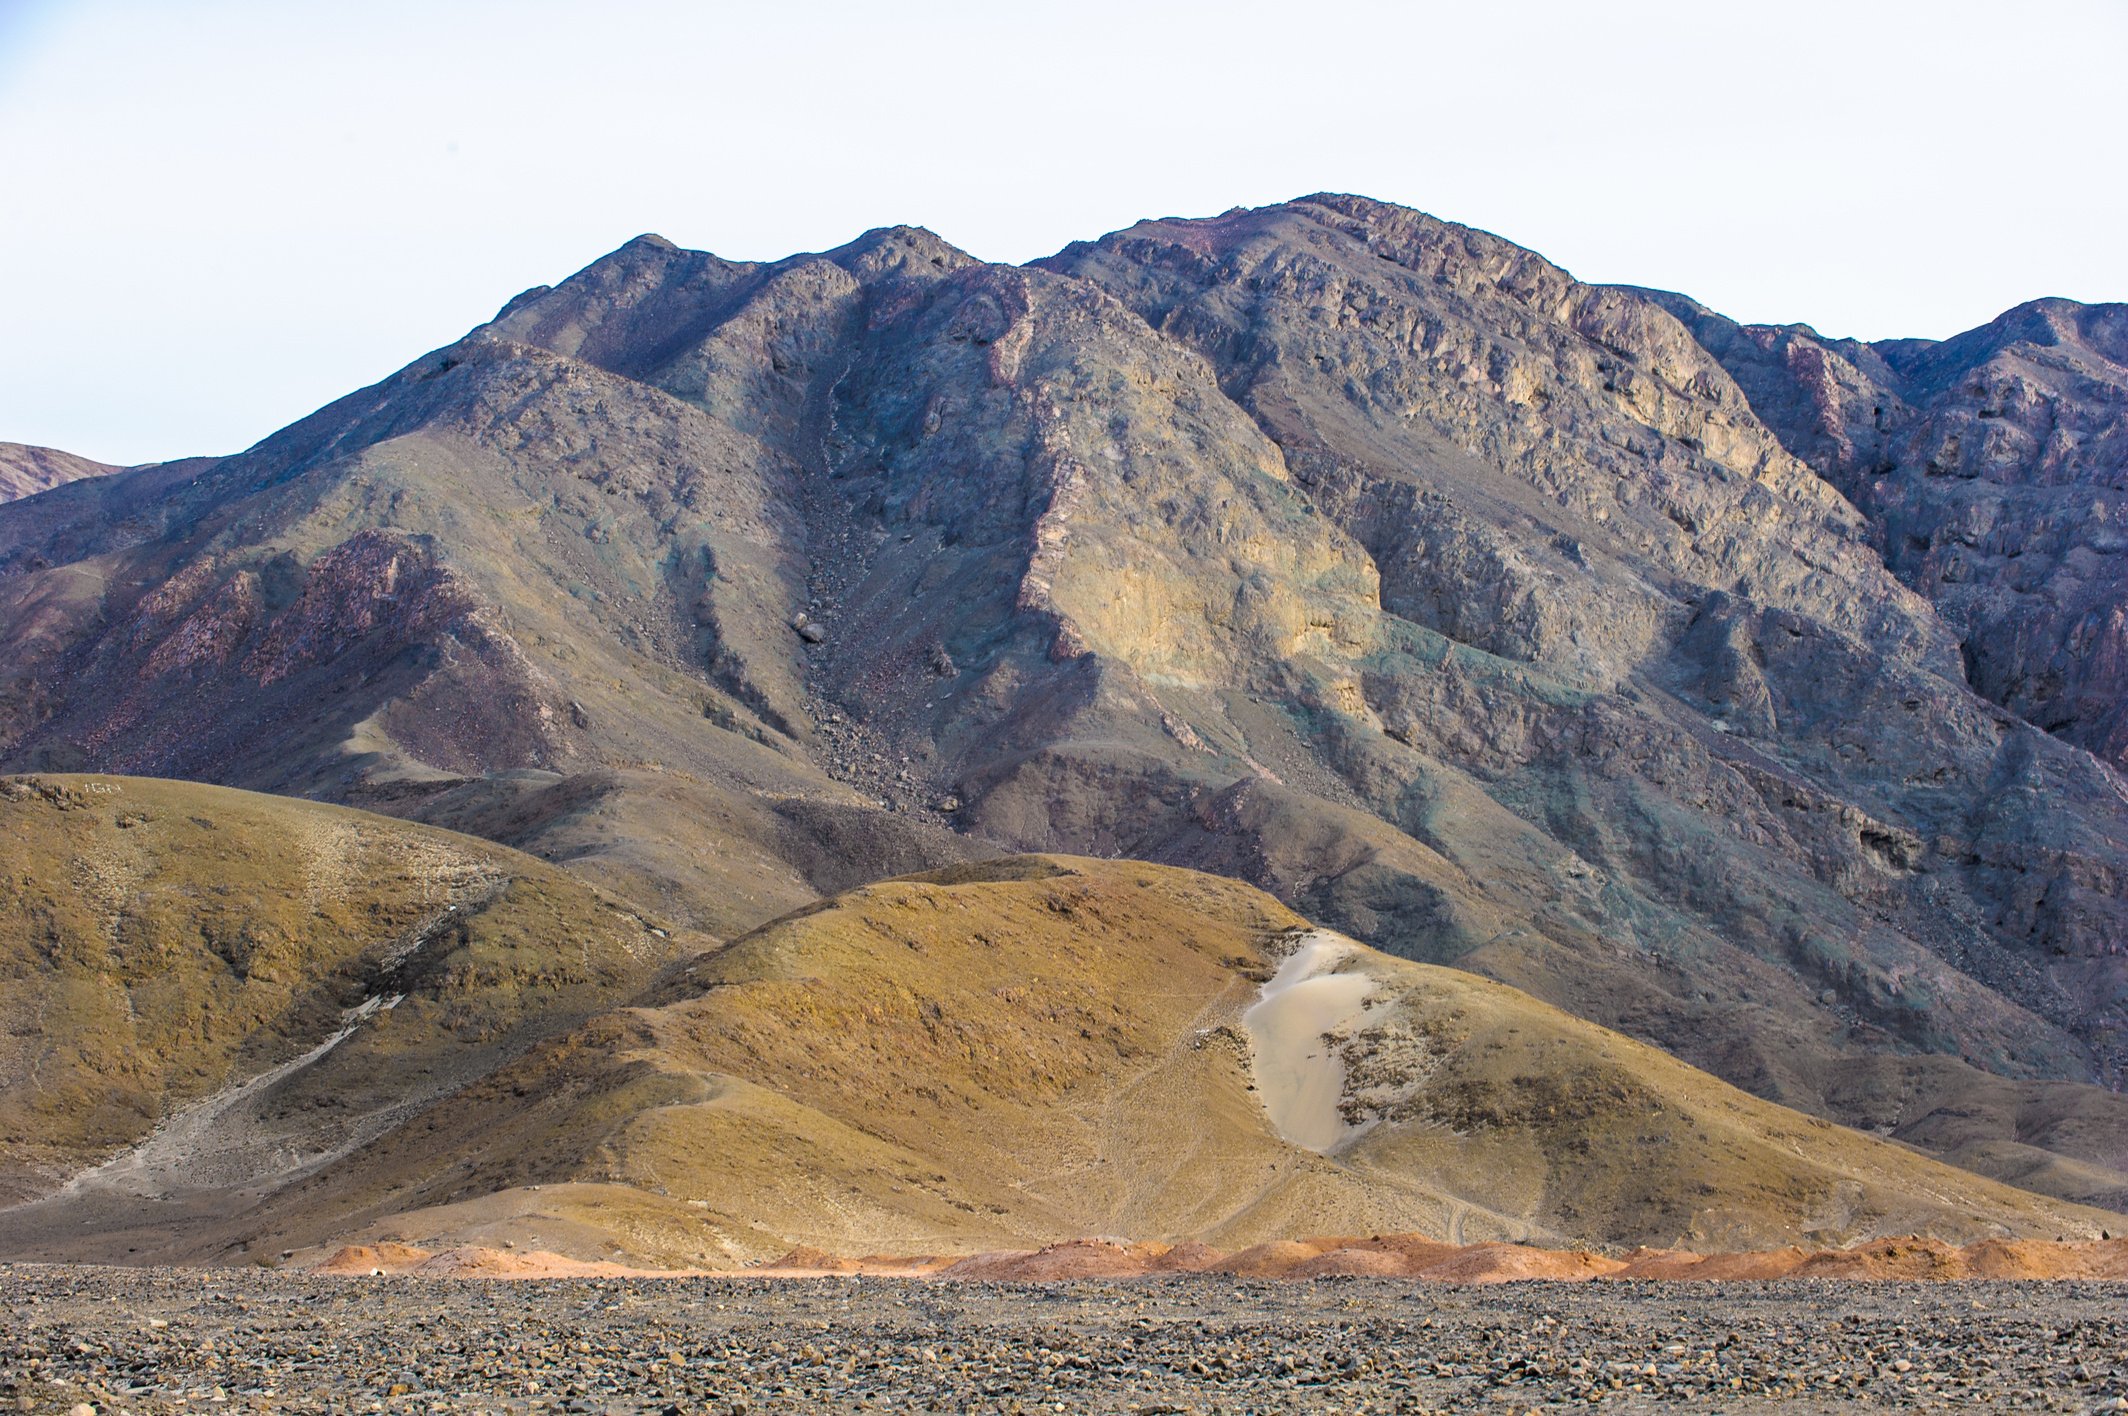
215,216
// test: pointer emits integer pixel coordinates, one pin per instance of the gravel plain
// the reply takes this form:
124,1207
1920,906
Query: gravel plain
160,1340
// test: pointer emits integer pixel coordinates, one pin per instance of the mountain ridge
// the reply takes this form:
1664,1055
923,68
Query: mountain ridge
1995,484
26,470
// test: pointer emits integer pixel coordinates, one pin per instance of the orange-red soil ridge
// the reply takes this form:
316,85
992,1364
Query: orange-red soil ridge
1382,1256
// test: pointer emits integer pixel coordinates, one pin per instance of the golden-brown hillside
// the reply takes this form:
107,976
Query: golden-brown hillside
165,945
1021,1051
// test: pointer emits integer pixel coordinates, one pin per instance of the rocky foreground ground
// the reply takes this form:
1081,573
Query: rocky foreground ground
107,1340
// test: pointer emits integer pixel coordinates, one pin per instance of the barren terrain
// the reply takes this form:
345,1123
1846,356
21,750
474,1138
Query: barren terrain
157,1341
247,1025
1309,721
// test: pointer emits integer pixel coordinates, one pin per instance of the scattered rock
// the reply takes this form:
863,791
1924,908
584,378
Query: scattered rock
1178,1343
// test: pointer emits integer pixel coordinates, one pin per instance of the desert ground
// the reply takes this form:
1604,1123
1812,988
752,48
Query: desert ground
164,1340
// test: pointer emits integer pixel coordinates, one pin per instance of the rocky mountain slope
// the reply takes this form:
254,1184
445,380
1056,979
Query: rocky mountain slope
1995,468
414,1033
1491,618
26,470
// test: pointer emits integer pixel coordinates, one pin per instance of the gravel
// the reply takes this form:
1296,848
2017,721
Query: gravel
156,1340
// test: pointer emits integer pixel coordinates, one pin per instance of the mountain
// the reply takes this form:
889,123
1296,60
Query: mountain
1482,615
26,470
1007,1052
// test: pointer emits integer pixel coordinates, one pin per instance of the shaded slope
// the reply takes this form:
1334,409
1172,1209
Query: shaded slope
499,561
719,861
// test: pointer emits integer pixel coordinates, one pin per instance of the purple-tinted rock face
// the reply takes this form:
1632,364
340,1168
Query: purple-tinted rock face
1995,467
1683,674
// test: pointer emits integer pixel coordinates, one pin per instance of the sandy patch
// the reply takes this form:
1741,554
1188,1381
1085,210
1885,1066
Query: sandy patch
472,1262
1187,1257
1080,1258
808,1260
1300,1079
1275,1259
1907,1258
1353,1263
1508,1263
368,1259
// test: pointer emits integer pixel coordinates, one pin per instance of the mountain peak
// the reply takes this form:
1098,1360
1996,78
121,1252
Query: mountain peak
901,248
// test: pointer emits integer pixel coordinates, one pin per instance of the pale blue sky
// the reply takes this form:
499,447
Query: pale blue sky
216,215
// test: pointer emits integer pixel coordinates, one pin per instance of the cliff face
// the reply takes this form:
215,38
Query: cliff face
1995,466
1495,619
1750,721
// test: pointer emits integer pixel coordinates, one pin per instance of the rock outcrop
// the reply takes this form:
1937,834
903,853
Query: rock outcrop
1995,468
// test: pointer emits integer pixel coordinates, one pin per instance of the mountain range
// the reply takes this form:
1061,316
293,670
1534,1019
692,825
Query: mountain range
1744,704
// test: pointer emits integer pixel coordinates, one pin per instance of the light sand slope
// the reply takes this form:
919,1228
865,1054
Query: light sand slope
1298,1070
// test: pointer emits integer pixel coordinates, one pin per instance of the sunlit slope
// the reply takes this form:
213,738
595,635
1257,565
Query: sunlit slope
1489,617
1045,1047
163,944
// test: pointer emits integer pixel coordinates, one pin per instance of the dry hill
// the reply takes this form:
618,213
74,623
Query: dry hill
26,470
216,990
1000,1054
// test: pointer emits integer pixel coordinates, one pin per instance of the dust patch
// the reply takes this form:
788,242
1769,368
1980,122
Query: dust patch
1294,1029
